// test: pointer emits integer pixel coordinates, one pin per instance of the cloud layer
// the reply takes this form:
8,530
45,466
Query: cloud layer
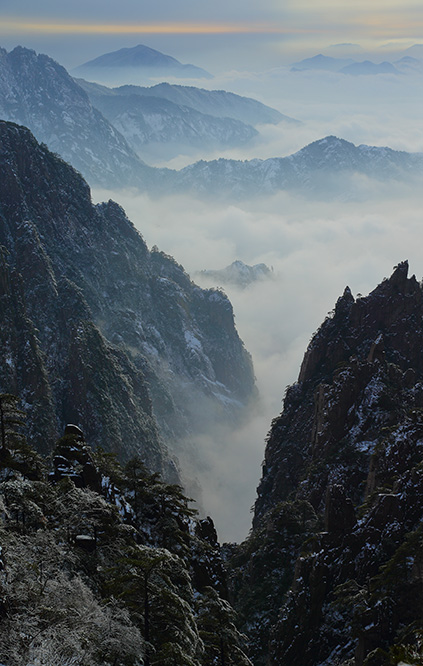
316,249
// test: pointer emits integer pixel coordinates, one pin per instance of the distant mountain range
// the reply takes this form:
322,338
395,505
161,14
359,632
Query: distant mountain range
37,92
357,68
138,61
148,122
167,119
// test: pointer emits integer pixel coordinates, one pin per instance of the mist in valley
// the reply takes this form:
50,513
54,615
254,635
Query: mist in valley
315,249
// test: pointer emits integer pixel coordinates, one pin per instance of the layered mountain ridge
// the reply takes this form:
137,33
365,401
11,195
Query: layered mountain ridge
39,93
150,122
93,316
321,169
218,103
337,522
400,65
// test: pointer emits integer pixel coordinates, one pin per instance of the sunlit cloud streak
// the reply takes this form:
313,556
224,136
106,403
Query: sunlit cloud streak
146,28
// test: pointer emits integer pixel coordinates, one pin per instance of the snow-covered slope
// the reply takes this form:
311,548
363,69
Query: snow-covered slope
322,169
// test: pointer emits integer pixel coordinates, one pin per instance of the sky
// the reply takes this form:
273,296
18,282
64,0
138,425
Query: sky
216,35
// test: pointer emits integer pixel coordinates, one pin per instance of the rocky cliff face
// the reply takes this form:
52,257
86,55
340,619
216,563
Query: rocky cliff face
337,523
92,314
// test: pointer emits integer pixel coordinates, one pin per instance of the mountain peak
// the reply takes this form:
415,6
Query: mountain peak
140,57
400,274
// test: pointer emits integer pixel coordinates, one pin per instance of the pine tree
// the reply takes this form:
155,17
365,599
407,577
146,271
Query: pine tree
155,585
222,640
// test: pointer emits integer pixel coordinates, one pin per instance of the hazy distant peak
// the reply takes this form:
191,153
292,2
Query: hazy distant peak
132,57
328,143
323,62
238,273
344,66
409,59
141,58
367,67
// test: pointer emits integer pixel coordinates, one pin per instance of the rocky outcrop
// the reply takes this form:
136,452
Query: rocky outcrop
352,382
92,315
238,274
348,445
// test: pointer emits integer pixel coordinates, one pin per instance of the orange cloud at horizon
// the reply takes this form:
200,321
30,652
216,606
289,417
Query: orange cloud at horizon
155,28
368,26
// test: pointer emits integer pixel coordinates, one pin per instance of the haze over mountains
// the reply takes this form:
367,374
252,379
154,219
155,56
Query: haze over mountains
38,93
166,119
408,61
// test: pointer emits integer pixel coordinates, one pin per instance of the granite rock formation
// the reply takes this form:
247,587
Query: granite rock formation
337,524
98,330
